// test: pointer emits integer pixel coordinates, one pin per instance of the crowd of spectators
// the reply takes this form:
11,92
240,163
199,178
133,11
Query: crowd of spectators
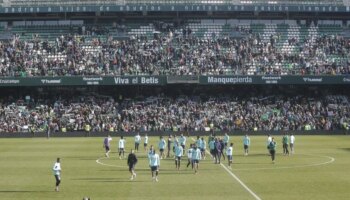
175,52
183,113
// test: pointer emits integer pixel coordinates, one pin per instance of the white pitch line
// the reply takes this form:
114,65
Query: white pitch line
237,179
331,160
240,182
101,163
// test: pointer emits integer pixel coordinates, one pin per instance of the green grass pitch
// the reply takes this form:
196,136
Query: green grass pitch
320,169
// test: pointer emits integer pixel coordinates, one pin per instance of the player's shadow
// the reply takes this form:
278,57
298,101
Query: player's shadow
345,149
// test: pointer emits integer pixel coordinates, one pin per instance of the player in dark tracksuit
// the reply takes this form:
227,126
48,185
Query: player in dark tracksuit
222,143
217,151
132,160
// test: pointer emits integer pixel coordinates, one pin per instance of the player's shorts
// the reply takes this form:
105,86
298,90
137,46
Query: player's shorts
131,167
121,149
225,144
161,150
245,146
183,146
154,168
178,158
291,145
107,148
229,157
195,161
202,149
145,144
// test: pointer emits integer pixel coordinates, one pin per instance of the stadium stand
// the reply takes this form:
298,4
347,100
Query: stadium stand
204,47
182,113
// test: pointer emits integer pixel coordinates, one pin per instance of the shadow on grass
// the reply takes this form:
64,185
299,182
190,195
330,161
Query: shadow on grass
345,149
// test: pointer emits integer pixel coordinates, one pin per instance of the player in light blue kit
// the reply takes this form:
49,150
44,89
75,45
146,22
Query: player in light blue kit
161,147
246,144
226,140
154,163
182,141
196,157
178,155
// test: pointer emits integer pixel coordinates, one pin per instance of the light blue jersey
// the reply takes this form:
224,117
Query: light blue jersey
212,145
203,145
154,160
226,139
182,140
199,143
178,151
246,141
162,144
196,154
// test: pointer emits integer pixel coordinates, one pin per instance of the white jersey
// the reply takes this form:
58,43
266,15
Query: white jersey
146,140
269,139
121,143
137,139
189,153
57,168
292,139
229,151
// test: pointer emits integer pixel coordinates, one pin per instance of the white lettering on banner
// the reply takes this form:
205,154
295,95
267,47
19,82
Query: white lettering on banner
150,80
346,79
53,81
135,81
271,79
9,81
229,80
307,79
92,79
121,81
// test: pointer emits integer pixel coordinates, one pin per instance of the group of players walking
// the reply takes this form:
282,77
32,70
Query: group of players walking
175,147
218,147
